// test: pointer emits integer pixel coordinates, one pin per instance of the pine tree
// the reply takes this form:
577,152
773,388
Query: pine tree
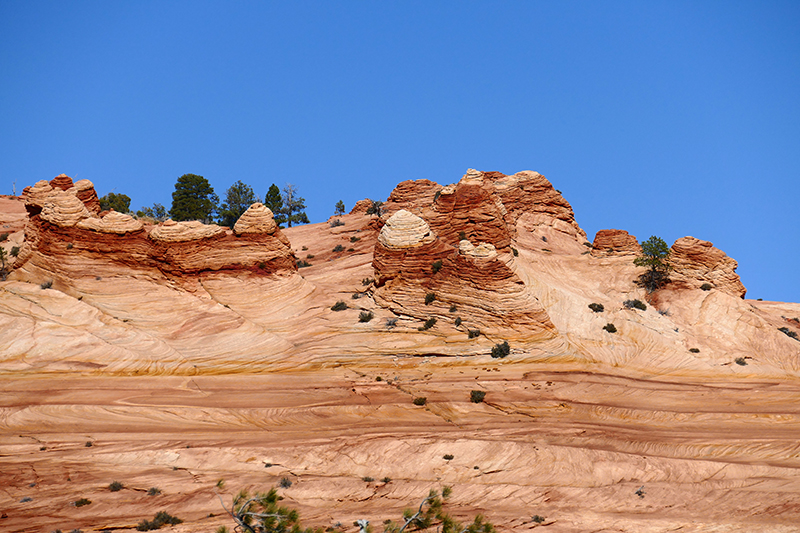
655,256
274,201
193,199
238,198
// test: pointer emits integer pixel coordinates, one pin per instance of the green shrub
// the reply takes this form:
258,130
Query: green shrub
367,281
462,236
694,350
453,308
611,328
457,321
3,237
305,248
46,284
354,239
391,322
740,361
473,333
115,486
514,251
421,400
436,266
310,256
153,491
368,479
14,251
339,306
597,308
387,479
477,396
161,519
378,378
430,297
338,248
448,457
336,222
706,286
89,444
538,519
351,249
501,350
303,263
70,246
356,295
788,332
365,316
634,304
428,324
82,502
285,483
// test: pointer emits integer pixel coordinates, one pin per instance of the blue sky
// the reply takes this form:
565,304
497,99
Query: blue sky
661,118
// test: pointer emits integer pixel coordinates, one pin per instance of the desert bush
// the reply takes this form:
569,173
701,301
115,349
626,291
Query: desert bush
89,444
663,312
304,248
339,306
429,298
635,304
367,281
378,378
436,266
14,251
477,396
368,479
3,237
706,286
310,256
588,244
351,249
70,246
338,248
788,332
153,491
420,400
501,350
538,519
387,479
46,284
82,502
356,295
115,486
514,251
457,321
462,236
473,333
285,483
428,324
453,308
303,263
694,350
391,322
448,457
161,519
597,308
354,239
365,316
740,361
335,223
611,328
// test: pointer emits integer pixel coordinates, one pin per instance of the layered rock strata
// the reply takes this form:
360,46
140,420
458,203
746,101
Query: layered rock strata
609,241
696,262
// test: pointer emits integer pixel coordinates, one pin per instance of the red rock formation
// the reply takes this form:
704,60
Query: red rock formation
696,262
64,235
615,241
361,207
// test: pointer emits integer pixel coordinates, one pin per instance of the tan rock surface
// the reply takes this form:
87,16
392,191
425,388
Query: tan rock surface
180,379
615,241
696,262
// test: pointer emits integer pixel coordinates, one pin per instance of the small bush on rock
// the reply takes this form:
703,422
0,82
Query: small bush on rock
706,286
338,248
477,396
473,333
740,361
788,332
161,519
694,350
611,328
501,350
457,321
285,483
436,266
429,298
82,502
634,304
115,486
339,306
336,222
448,457
365,316
422,400
428,324
597,308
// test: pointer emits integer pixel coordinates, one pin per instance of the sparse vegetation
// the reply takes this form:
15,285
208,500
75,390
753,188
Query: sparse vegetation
310,256
339,208
82,502
387,479
89,444
391,322
153,491
356,295
477,396
3,237
501,350
338,248
448,457
46,284
515,251
339,306
436,266
367,281
351,249
473,333
597,308
537,519
453,308
457,321
161,519
740,361
420,400
694,350
368,479
790,333
285,483
336,223
14,251
354,239
365,316
706,287
375,208
611,328
428,324
429,298
115,486
462,236
635,304
303,263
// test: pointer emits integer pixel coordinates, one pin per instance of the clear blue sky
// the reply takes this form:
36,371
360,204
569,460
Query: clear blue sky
661,118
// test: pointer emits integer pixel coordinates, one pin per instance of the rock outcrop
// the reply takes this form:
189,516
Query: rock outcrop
696,262
65,234
615,241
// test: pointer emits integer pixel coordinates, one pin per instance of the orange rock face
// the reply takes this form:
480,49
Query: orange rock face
615,241
696,262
